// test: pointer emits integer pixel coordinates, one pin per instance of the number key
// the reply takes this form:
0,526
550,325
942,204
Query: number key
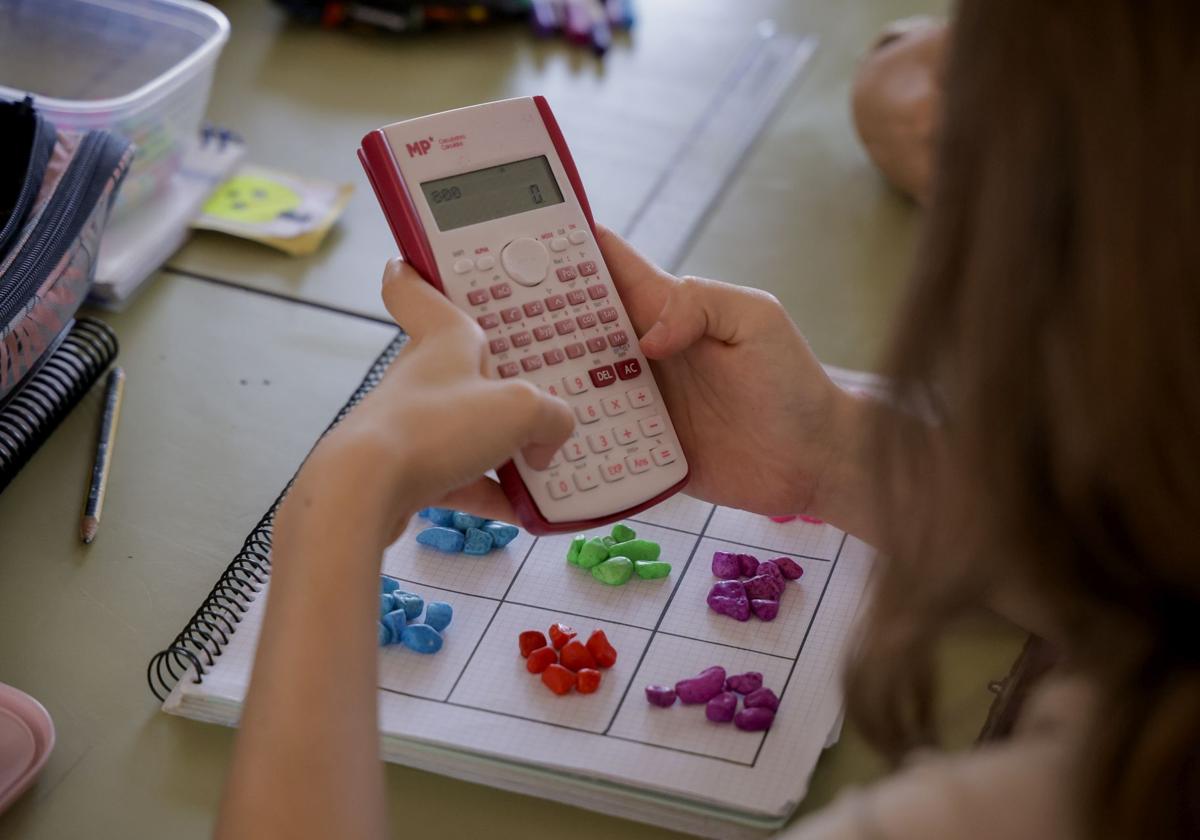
573,450
575,384
600,442
559,488
587,412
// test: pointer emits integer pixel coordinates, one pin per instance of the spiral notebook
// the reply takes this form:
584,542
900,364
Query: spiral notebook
473,712
35,408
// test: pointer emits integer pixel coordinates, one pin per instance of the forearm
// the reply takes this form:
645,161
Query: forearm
846,494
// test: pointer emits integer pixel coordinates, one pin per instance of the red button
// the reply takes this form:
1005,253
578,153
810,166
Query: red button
533,308
607,315
543,333
574,351
553,357
603,375
508,369
587,268
597,292
477,296
511,315
587,320
629,368
489,321
596,345
576,297
501,290
531,363
521,339
498,345
565,327
566,274
555,302
616,339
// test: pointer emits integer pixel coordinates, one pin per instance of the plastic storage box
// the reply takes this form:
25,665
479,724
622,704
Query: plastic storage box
140,68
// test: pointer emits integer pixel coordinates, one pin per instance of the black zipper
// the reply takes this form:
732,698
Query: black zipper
41,147
72,202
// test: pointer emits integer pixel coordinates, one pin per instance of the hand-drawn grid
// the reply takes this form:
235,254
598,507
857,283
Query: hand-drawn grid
662,629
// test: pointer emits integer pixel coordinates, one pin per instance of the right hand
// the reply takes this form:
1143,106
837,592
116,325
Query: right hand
753,408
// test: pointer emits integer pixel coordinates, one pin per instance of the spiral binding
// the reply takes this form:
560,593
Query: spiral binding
33,411
210,628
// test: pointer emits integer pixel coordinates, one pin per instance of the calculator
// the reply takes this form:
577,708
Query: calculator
486,204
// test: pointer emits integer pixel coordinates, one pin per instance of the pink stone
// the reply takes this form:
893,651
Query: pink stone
720,709
702,688
768,567
782,519
660,695
748,564
764,587
738,608
725,565
788,567
744,683
729,589
763,698
754,719
764,608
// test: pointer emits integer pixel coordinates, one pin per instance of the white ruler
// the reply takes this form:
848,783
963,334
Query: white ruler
664,225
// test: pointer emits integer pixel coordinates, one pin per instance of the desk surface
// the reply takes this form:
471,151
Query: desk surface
228,388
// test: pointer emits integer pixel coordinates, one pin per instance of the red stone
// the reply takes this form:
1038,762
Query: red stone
587,680
530,641
558,679
576,657
601,649
541,659
560,634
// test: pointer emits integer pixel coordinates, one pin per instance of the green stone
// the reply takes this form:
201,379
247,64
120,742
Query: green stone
609,541
641,551
614,571
594,551
573,551
623,533
652,569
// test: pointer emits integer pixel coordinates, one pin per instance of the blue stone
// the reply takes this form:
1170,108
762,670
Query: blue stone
395,622
438,615
421,638
388,585
386,604
477,542
411,604
465,521
385,635
502,533
441,516
443,539
423,513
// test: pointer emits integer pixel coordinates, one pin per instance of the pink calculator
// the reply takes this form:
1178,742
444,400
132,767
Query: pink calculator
486,204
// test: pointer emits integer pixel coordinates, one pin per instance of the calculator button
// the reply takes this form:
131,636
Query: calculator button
652,426
614,406
574,384
573,450
543,333
565,327
628,368
508,369
553,357
498,345
587,320
639,397
521,339
577,237
485,263
501,290
526,261
597,292
566,274
597,344
663,455
625,435
533,308
607,315
574,351
489,321
511,315
600,442
612,470
587,268
462,266
617,339
638,463
477,296
555,462
552,389
585,479
559,488
558,243
531,363
555,302
603,375
587,412
576,297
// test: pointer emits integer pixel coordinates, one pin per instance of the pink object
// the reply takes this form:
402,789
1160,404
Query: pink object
587,268
26,740
498,345
576,297
765,608
530,363
748,564
616,339
754,719
763,698
596,344
553,357
555,302
597,292
586,321
508,370
603,375
721,708
782,519
566,274
811,520
564,327
725,565
543,333
477,296
790,568
744,683
533,308
489,321
607,315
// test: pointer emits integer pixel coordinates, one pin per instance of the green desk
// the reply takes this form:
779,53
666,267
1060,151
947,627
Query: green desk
228,387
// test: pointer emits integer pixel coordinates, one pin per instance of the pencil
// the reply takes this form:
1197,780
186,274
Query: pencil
114,389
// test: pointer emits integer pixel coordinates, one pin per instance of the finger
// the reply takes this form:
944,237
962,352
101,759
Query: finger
482,497
696,308
422,310
538,422
643,286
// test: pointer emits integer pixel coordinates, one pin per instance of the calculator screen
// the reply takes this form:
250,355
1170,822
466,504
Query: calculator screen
492,193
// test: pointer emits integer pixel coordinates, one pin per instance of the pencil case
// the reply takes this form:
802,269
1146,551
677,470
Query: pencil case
56,190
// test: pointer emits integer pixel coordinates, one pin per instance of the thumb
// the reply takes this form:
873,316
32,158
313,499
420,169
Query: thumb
695,308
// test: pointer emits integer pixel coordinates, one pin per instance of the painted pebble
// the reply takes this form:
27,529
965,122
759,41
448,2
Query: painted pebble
531,640
575,656
560,634
441,516
642,551
623,533
464,521
502,533
587,680
385,635
790,569
573,550
725,565
410,603
421,638
768,567
764,609
395,622
702,688
744,683
614,571
652,570
386,604
388,585
721,708
477,542
764,587
438,615
592,553
601,649
541,659
442,539
558,679
754,719
660,695
762,698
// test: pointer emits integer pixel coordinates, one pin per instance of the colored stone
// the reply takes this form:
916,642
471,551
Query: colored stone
721,708
811,520
729,589
736,608
421,638
423,513
763,698
609,542
754,720
601,649
438,615
782,519
575,656
652,570
395,622
765,608
465,521
701,688
502,533
385,635
558,679
789,568
386,604
443,539
388,585
748,565
725,565
560,634
531,640
573,550
660,695
593,553
441,516
614,571
744,683
541,659
641,551
768,567
478,542
764,587
623,533
587,681
410,603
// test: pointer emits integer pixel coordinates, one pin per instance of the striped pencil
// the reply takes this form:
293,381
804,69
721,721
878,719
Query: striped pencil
114,389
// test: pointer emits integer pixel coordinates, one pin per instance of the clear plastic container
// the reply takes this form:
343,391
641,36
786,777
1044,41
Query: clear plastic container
140,68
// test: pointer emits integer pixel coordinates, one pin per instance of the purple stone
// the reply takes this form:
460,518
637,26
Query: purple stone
702,688
764,587
728,589
789,567
754,719
720,709
726,566
748,565
660,695
765,609
744,683
768,567
763,698
738,608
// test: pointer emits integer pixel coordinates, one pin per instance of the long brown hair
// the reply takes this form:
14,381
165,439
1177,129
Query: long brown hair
1053,328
